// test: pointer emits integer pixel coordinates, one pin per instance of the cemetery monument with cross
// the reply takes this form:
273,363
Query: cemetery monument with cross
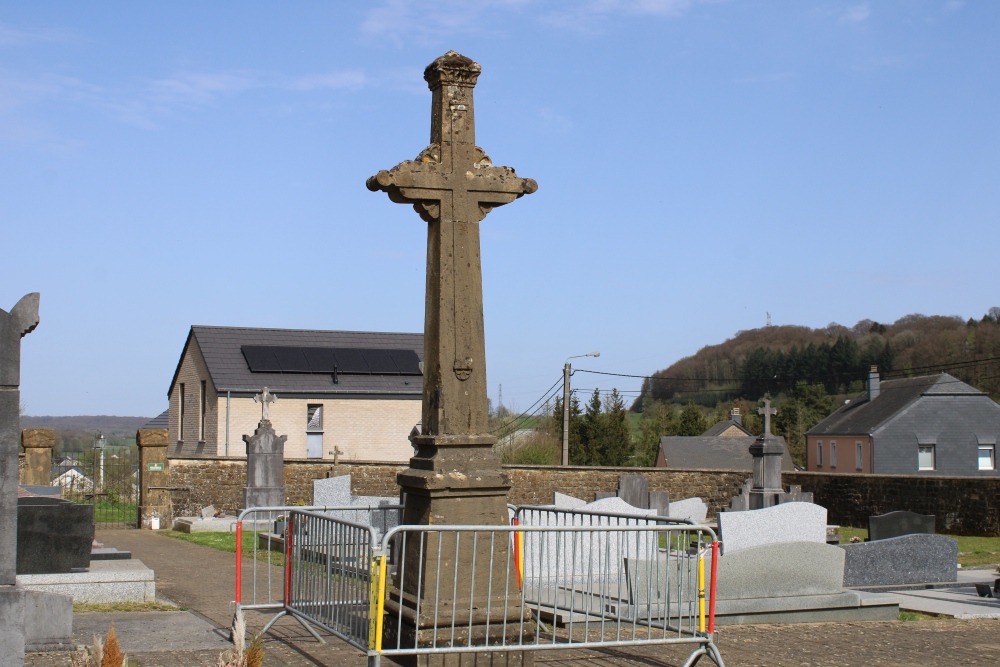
454,477
265,460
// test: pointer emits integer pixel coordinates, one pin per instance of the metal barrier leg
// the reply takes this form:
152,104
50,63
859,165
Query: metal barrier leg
711,650
307,625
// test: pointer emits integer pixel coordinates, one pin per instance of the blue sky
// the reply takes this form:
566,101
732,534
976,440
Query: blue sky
699,164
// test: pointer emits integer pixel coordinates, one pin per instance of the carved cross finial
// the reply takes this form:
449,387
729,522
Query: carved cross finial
767,411
265,398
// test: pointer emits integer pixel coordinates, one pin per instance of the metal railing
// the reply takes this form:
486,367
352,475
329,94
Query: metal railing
313,564
617,580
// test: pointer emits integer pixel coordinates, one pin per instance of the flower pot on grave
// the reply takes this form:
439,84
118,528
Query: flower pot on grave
154,523
279,527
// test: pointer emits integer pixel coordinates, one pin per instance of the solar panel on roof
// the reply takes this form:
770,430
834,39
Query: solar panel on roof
406,361
260,358
321,359
379,362
291,359
350,360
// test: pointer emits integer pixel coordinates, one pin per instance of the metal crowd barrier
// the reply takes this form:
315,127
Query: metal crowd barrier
614,581
313,564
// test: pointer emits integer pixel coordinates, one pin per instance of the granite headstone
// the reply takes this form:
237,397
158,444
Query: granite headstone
895,524
788,522
265,467
909,559
54,536
563,501
690,508
659,501
634,489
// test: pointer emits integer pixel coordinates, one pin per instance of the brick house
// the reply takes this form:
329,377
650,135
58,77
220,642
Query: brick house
342,394
927,425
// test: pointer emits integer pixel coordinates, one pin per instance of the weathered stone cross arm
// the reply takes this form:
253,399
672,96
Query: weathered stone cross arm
425,182
15,325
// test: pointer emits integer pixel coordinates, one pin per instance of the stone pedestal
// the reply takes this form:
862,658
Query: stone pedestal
154,477
766,486
265,467
38,444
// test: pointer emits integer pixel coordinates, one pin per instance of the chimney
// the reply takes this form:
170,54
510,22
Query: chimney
734,416
873,383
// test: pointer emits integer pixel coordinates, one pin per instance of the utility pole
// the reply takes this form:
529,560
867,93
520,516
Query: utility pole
567,371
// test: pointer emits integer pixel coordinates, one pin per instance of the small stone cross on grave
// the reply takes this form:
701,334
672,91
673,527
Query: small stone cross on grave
265,398
767,411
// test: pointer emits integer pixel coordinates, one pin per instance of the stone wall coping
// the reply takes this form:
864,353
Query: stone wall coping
930,478
152,437
38,438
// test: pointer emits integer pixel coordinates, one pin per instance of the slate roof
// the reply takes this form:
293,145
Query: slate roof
228,369
722,427
861,416
702,452
159,421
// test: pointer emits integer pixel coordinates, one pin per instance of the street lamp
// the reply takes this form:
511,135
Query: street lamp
566,374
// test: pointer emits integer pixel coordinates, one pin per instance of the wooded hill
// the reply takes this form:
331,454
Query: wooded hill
808,372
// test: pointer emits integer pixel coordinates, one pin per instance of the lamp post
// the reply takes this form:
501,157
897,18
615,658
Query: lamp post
565,433
99,443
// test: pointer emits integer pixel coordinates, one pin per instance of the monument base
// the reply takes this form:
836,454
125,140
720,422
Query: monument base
264,496
12,625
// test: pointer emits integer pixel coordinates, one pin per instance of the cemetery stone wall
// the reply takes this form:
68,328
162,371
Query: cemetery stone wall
962,505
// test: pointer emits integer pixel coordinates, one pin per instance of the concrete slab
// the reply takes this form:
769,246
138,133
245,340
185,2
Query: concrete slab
152,631
954,602
107,581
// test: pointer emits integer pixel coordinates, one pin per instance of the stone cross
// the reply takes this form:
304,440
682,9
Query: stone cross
452,185
20,321
265,398
767,411
454,477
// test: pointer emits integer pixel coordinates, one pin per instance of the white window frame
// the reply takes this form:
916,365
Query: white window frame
925,448
859,455
313,433
833,453
204,406
180,411
819,453
992,454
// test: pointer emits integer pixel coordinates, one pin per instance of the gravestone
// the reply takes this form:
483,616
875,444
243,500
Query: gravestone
790,522
265,461
895,524
601,495
634,489
908,559
454,477
53,535
795,495
741,501
562,501
15,603
332,491
659,501
690,508
766,452
208,512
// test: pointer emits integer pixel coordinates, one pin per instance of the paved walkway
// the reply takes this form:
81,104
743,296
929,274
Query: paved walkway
201,579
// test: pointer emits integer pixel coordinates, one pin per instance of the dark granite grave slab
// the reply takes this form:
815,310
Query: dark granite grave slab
895,524
660,501
909,559
53,535
634,489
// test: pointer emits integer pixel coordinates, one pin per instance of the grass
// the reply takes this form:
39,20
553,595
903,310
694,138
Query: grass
918,616
972,551
84,607
227,542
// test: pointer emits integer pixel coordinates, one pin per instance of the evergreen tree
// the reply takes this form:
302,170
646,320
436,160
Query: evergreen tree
615,447
692,421
592,432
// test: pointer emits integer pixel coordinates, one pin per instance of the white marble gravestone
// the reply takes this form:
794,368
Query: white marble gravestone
562,501
788,522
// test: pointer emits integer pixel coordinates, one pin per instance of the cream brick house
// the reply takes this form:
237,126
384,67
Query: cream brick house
347,394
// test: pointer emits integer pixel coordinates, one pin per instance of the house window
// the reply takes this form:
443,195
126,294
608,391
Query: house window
819,453
201,422
859,455
314,431
180,428
833,453
925,457
987,457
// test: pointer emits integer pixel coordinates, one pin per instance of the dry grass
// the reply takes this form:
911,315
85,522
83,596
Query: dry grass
104,607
